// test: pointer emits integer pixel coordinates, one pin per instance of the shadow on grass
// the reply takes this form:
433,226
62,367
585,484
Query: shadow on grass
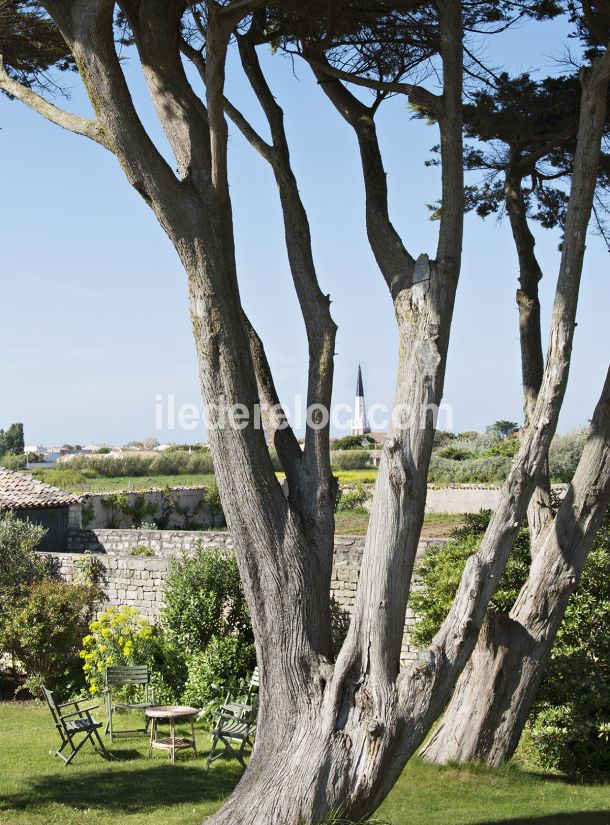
582,818
131,791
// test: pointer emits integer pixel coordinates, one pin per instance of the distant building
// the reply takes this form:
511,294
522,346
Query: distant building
360,424
42,504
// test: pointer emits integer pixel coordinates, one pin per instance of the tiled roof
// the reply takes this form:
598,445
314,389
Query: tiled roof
22,492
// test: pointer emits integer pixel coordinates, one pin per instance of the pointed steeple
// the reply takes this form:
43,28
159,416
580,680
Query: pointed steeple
360,425
359,387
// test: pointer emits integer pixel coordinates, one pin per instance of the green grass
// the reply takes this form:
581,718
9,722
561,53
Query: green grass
35,788
355,522
107,485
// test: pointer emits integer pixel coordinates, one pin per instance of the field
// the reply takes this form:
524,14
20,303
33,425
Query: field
35,788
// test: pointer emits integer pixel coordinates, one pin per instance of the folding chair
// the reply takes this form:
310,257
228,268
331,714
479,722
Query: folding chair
119,677
239,700
230,730
70,725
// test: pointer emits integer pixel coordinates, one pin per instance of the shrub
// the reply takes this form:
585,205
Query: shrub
204,598
20,565
564,455
44,634
223,662
354,442
121,636
13,461
469,471
569,726
350,459
61,478
351,498
142,550
454,453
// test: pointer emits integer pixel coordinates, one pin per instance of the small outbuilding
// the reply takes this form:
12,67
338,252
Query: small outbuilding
43,504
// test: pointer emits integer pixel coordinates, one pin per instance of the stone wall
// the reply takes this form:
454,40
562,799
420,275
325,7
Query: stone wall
180,507
140,581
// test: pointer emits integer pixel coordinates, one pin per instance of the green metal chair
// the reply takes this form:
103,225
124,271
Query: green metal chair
120,676
74,724
233,730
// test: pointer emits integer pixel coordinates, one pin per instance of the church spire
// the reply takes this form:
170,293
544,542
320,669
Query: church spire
360,424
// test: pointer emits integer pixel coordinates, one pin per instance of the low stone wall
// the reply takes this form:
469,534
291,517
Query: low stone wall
140,581
163,543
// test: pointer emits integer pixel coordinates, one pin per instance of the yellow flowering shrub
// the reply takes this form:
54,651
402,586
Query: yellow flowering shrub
120,636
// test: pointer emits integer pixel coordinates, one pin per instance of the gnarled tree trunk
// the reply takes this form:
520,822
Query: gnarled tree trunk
493,697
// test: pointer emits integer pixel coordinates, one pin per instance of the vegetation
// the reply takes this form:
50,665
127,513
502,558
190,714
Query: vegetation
168,463
132,790
354,442
569,726
350,459
11,440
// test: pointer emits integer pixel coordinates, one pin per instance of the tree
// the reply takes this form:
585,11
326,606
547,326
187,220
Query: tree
12,440
333,733
512,652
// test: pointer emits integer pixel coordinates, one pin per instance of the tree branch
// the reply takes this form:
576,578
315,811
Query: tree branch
394,261
73,123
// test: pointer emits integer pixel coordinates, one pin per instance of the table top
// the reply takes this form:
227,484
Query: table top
171,711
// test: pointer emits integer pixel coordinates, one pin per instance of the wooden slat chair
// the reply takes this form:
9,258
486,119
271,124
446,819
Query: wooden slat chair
239,700
233,730
74,724
120,676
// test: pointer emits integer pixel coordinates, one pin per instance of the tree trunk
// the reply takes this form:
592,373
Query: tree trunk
493,697
495,693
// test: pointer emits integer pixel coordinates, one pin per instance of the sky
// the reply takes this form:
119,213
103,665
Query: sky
94,324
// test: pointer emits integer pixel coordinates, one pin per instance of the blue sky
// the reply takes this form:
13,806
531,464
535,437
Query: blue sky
94,320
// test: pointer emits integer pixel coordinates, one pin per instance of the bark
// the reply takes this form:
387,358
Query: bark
539,512
494,696
495,693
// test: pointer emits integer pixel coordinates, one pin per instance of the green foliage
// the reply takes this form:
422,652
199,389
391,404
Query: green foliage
441,569
142,550
44,631
12,441
168,463
502,429
354,442
139,509
564,455
275,460
224,662
120,636
350,459
351,498
204,598
13,461
508,447
115,506
569,727
454,453
212,497
489,470
20,565
64,478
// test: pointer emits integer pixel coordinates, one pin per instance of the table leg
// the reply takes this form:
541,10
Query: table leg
153,734
172,727
193,733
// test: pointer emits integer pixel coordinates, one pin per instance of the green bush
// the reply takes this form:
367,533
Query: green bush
224,662
204,598
569,726
173,463
350,459
205,622
564,455
486,470
354,442
20,565
121,636
454,453
351,498
441,569
61,478
44,632
13,461
142,550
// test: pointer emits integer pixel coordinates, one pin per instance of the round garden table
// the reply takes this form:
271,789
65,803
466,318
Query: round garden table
171,714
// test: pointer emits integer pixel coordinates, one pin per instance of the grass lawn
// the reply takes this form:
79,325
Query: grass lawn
35,788
355,522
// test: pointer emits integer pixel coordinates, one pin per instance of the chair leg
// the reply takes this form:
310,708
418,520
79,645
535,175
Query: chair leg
212,751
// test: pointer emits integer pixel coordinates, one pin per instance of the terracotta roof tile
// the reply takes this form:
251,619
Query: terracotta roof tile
19,491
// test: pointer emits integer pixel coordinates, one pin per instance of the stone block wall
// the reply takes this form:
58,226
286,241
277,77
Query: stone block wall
139,581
